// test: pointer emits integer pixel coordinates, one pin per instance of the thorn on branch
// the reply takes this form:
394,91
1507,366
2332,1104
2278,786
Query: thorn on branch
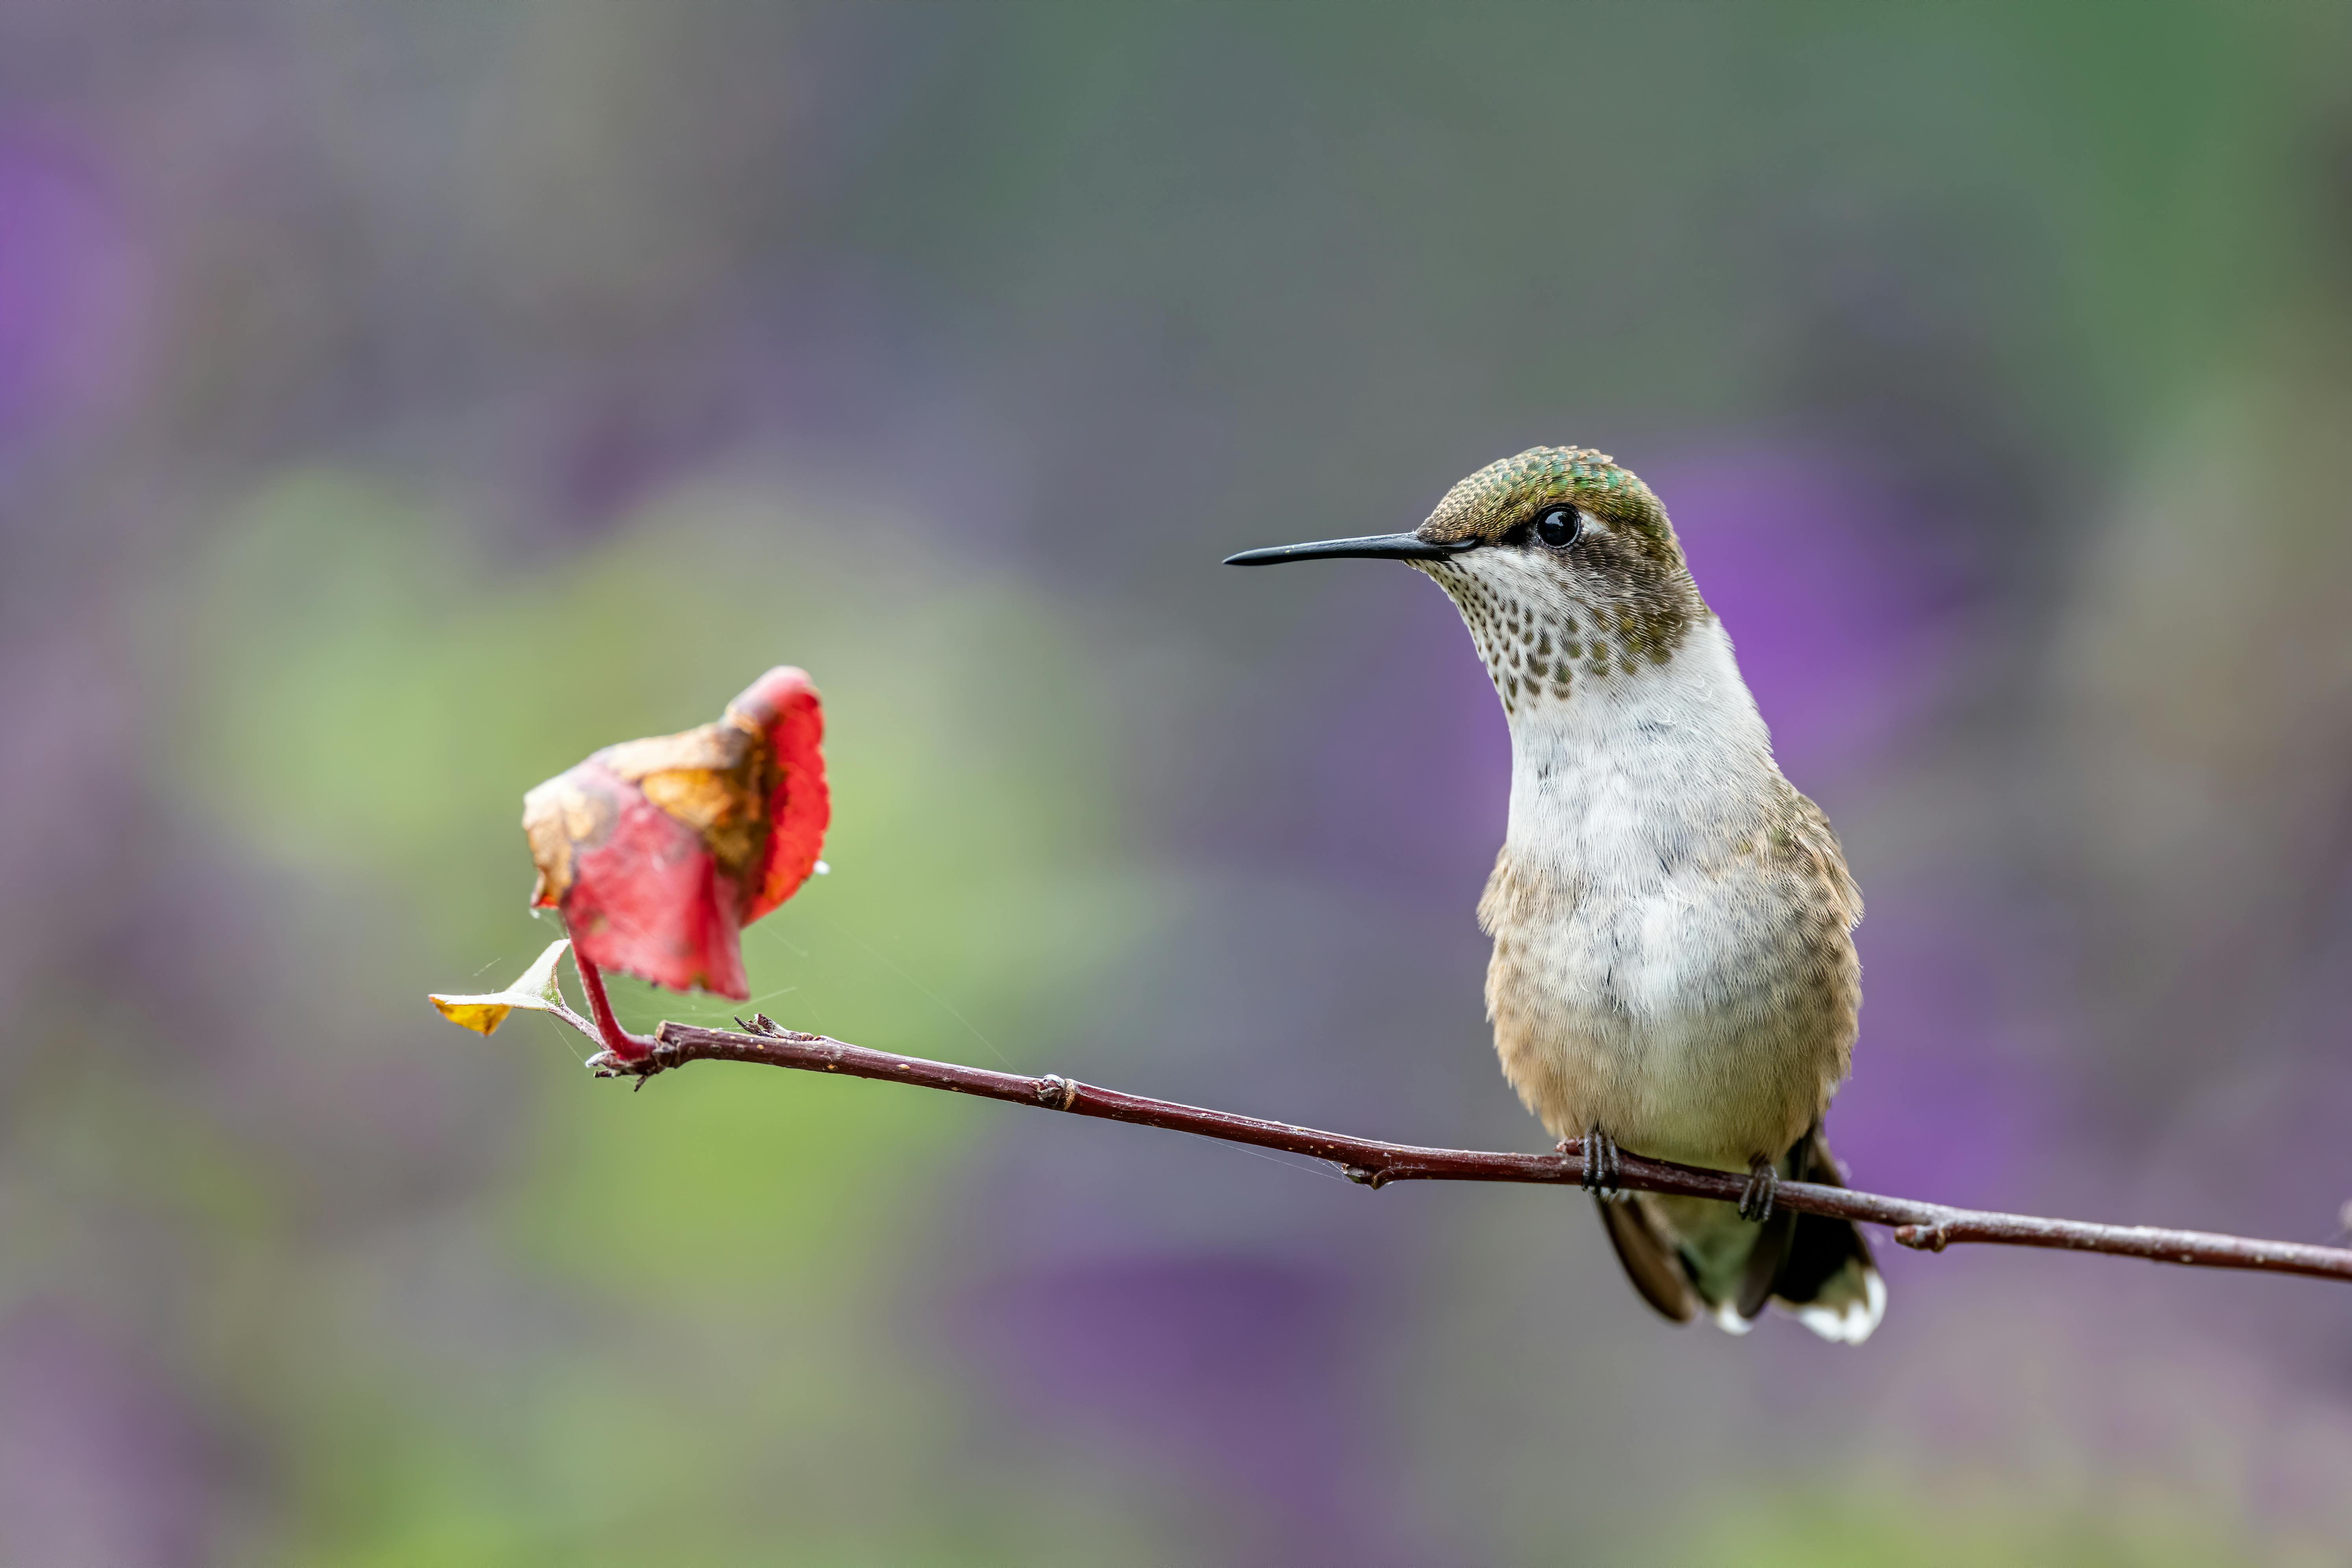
766,1028
660,1057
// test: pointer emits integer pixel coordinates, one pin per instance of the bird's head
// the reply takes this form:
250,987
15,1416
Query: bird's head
1562,563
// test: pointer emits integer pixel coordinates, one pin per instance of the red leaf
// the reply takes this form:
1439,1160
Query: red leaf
783,705
660,851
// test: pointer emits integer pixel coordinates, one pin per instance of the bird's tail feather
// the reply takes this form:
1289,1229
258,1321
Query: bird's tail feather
1687,1254
1828,1279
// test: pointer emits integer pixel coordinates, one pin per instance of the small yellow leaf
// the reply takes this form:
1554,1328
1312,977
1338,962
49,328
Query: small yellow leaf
535,990
479,1014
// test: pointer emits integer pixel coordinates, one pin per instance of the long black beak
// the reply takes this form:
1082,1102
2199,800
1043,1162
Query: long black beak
1374,547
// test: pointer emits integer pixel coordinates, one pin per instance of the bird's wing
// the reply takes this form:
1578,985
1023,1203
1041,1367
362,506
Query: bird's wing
1649,1263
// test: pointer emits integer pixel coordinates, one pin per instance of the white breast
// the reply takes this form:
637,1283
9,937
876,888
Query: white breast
1651,767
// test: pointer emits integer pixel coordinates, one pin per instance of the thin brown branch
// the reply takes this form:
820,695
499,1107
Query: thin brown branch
1927,1226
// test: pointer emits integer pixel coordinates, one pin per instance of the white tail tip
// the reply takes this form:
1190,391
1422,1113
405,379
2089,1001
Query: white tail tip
1850,1323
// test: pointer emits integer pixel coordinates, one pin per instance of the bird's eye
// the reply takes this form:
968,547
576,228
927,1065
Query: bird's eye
1558,526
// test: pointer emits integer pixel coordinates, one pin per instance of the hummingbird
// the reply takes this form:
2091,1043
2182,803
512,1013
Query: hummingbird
1674,972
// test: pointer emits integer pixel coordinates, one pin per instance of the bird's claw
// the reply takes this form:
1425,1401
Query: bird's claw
1763,1182
1600,1152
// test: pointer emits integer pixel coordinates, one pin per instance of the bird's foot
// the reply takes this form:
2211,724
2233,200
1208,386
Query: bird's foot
1599,1152
1763,1181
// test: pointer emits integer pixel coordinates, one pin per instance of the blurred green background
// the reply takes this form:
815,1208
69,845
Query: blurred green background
397,403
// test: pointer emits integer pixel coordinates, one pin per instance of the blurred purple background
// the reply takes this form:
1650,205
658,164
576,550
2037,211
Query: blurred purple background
395,404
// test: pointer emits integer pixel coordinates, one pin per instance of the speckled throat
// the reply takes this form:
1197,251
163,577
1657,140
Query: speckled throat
1621,597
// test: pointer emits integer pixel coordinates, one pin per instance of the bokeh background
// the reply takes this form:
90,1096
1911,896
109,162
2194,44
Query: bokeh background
398,402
